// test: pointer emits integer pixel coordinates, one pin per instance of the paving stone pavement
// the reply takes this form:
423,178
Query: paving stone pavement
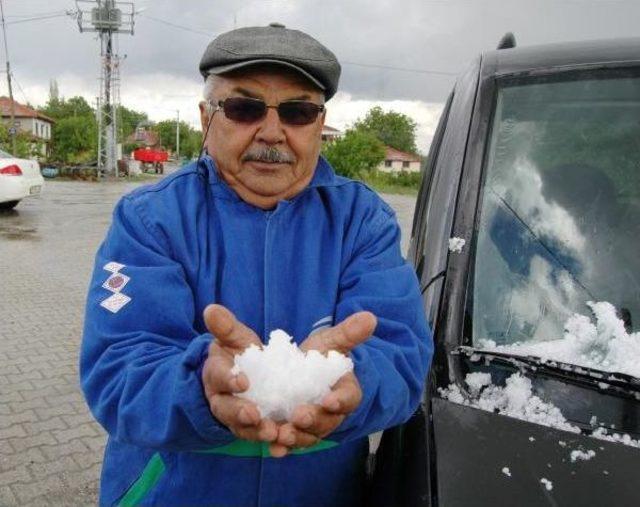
50,446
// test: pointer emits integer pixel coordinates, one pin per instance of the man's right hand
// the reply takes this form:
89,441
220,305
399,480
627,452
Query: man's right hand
240,416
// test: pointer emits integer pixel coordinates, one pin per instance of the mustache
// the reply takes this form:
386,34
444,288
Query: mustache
269,154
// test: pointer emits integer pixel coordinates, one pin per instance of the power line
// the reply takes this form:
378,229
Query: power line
33,14
175,25
20,88
402,69
37,18
370,65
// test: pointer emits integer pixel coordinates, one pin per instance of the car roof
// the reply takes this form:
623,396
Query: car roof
562,55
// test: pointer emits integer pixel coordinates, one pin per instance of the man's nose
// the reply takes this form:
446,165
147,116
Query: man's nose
271,130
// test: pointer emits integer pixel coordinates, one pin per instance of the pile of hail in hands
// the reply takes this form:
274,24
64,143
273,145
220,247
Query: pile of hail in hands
281,376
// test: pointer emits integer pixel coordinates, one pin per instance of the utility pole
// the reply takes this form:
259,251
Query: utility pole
12,127
178,136
108,18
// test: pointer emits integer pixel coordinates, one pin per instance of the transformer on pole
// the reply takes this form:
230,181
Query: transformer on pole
108,18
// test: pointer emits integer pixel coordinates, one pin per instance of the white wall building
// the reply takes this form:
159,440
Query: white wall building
28,120
396,161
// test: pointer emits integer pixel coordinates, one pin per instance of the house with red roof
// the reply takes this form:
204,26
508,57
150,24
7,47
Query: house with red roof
396,161
330,133
26,119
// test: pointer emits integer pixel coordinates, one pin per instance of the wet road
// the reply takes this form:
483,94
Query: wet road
50,447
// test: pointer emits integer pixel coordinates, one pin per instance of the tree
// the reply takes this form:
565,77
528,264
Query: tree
128,120
60,108
393,129
25,147
75,139
357,152
54,92
190,139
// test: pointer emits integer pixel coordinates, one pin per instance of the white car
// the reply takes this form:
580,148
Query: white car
19,178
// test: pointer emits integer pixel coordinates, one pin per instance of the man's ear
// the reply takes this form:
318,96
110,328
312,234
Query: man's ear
204,115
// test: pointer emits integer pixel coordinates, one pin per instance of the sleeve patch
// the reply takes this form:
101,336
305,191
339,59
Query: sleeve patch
114,267
115,302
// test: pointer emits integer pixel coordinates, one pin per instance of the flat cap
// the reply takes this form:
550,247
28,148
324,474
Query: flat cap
273,44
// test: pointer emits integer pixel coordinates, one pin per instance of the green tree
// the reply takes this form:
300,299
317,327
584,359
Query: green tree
356,153
393,129
25,147
75,139
190,139
58,109
129,120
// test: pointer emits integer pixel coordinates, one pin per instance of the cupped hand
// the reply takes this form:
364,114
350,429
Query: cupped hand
310,423
220,384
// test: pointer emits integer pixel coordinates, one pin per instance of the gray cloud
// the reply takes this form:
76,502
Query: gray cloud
436,35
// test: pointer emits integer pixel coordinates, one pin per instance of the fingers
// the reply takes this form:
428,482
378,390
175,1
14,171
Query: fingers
242,418
343,337
345,396
290,437
217,377
228,331
314,420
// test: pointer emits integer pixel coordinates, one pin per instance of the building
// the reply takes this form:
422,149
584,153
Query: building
29,121
144,136
330,134
396,161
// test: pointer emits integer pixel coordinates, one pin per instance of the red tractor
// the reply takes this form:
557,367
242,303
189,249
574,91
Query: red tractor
151,158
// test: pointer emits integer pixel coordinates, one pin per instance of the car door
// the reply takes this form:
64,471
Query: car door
548,207
401,473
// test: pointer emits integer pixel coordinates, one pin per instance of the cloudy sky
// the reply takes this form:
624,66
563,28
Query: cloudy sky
400,54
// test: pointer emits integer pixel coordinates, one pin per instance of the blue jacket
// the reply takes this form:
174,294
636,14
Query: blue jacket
189,240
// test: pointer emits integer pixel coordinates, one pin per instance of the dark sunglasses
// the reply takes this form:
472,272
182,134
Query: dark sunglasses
247,110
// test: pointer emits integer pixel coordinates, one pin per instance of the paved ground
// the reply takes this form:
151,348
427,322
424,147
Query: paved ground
50,448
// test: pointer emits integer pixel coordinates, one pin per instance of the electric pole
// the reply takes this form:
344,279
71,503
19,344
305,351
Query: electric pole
12,127
108,18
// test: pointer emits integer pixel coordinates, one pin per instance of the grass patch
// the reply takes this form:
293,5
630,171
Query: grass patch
402,183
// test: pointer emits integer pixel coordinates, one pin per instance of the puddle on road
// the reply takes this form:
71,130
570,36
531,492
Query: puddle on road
18,233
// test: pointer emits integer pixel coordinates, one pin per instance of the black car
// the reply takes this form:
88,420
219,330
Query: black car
536,166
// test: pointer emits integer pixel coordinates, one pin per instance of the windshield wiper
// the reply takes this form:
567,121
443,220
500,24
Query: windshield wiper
594,378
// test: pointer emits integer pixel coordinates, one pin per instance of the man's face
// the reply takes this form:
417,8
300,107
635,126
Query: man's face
239,149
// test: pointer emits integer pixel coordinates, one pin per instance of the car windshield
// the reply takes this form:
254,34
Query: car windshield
556,270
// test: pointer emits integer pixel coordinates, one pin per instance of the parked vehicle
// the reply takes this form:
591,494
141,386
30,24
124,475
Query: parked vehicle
536,166
19,178
151,158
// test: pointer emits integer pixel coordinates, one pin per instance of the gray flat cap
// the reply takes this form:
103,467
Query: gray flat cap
273,44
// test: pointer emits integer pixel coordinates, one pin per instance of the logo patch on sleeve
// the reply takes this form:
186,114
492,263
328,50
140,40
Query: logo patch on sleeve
115,302
116,282
114,267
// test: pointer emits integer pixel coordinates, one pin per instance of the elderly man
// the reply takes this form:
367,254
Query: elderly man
259,234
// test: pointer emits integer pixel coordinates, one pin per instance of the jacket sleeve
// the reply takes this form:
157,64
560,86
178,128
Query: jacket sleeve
392,365
141,358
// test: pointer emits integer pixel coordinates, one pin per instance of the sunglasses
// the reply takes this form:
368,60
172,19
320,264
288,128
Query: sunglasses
247,110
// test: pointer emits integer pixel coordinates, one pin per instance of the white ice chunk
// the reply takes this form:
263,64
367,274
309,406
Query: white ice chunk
456,245
515,400
506,471
547,483
476,381
282,377
603,344
582,455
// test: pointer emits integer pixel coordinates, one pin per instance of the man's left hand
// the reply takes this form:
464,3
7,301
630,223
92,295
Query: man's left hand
310,423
